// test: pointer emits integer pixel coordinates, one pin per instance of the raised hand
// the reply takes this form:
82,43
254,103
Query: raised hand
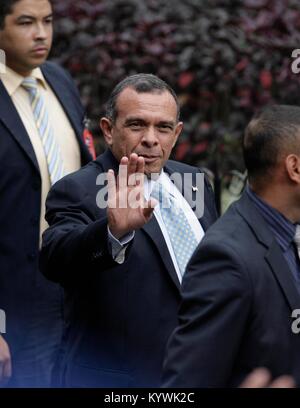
127,209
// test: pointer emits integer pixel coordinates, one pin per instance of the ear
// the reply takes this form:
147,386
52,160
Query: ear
178,130
106,127
292,165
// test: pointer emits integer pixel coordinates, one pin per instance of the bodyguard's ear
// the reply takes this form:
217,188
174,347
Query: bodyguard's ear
106,127
292,164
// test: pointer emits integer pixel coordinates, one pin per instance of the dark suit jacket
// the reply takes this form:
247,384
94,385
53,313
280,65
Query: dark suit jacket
238,297
120,316
21,284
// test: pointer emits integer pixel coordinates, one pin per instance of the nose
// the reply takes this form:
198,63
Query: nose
149,138
41,32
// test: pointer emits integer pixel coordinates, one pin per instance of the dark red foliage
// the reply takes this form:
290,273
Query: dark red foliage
224,58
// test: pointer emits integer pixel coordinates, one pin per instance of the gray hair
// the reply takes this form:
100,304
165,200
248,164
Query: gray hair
141,83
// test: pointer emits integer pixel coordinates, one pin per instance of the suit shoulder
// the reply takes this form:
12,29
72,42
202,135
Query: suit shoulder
230,230
52,69
181,167
84,177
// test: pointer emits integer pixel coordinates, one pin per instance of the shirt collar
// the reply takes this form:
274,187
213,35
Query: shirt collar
283,229
167,184
149,184
12,80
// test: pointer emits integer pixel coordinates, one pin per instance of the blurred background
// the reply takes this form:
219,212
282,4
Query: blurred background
224,58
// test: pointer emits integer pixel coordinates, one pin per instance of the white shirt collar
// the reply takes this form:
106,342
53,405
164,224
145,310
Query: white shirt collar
12,80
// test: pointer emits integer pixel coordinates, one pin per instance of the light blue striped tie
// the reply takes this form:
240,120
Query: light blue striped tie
181,235
50,145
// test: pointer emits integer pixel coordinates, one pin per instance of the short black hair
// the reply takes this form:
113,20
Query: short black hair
6,7
273,132
141,83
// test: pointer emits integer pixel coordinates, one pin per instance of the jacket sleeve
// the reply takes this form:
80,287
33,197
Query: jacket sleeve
76,241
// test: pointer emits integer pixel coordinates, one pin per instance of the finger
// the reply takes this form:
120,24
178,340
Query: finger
7,369
285,381
123,174
259,378
124,160
112,189
140,167
139,181
140,176
132,164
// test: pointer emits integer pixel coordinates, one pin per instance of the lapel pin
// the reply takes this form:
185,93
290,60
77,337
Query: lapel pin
194,188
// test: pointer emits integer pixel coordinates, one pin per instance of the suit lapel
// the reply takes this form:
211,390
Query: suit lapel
274,255
12,121
63,97
280,270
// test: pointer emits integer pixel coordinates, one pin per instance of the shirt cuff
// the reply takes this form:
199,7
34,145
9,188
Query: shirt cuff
118,247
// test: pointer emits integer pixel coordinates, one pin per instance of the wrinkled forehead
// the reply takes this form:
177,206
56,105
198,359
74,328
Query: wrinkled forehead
155,103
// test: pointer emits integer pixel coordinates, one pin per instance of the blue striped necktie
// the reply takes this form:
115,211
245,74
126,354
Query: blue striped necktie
50,145
181,235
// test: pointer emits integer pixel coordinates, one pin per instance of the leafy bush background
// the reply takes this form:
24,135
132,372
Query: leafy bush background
224,58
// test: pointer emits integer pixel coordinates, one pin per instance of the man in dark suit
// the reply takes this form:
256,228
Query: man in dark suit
241,295
118,264
33,306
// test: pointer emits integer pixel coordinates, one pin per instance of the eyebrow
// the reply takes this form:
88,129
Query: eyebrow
140,120
133,119
166,122
27,17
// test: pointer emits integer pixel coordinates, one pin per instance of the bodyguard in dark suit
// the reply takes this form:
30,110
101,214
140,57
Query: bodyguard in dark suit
118,265
33,306
241,291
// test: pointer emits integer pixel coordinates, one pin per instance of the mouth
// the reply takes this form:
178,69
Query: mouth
40,51
149,158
